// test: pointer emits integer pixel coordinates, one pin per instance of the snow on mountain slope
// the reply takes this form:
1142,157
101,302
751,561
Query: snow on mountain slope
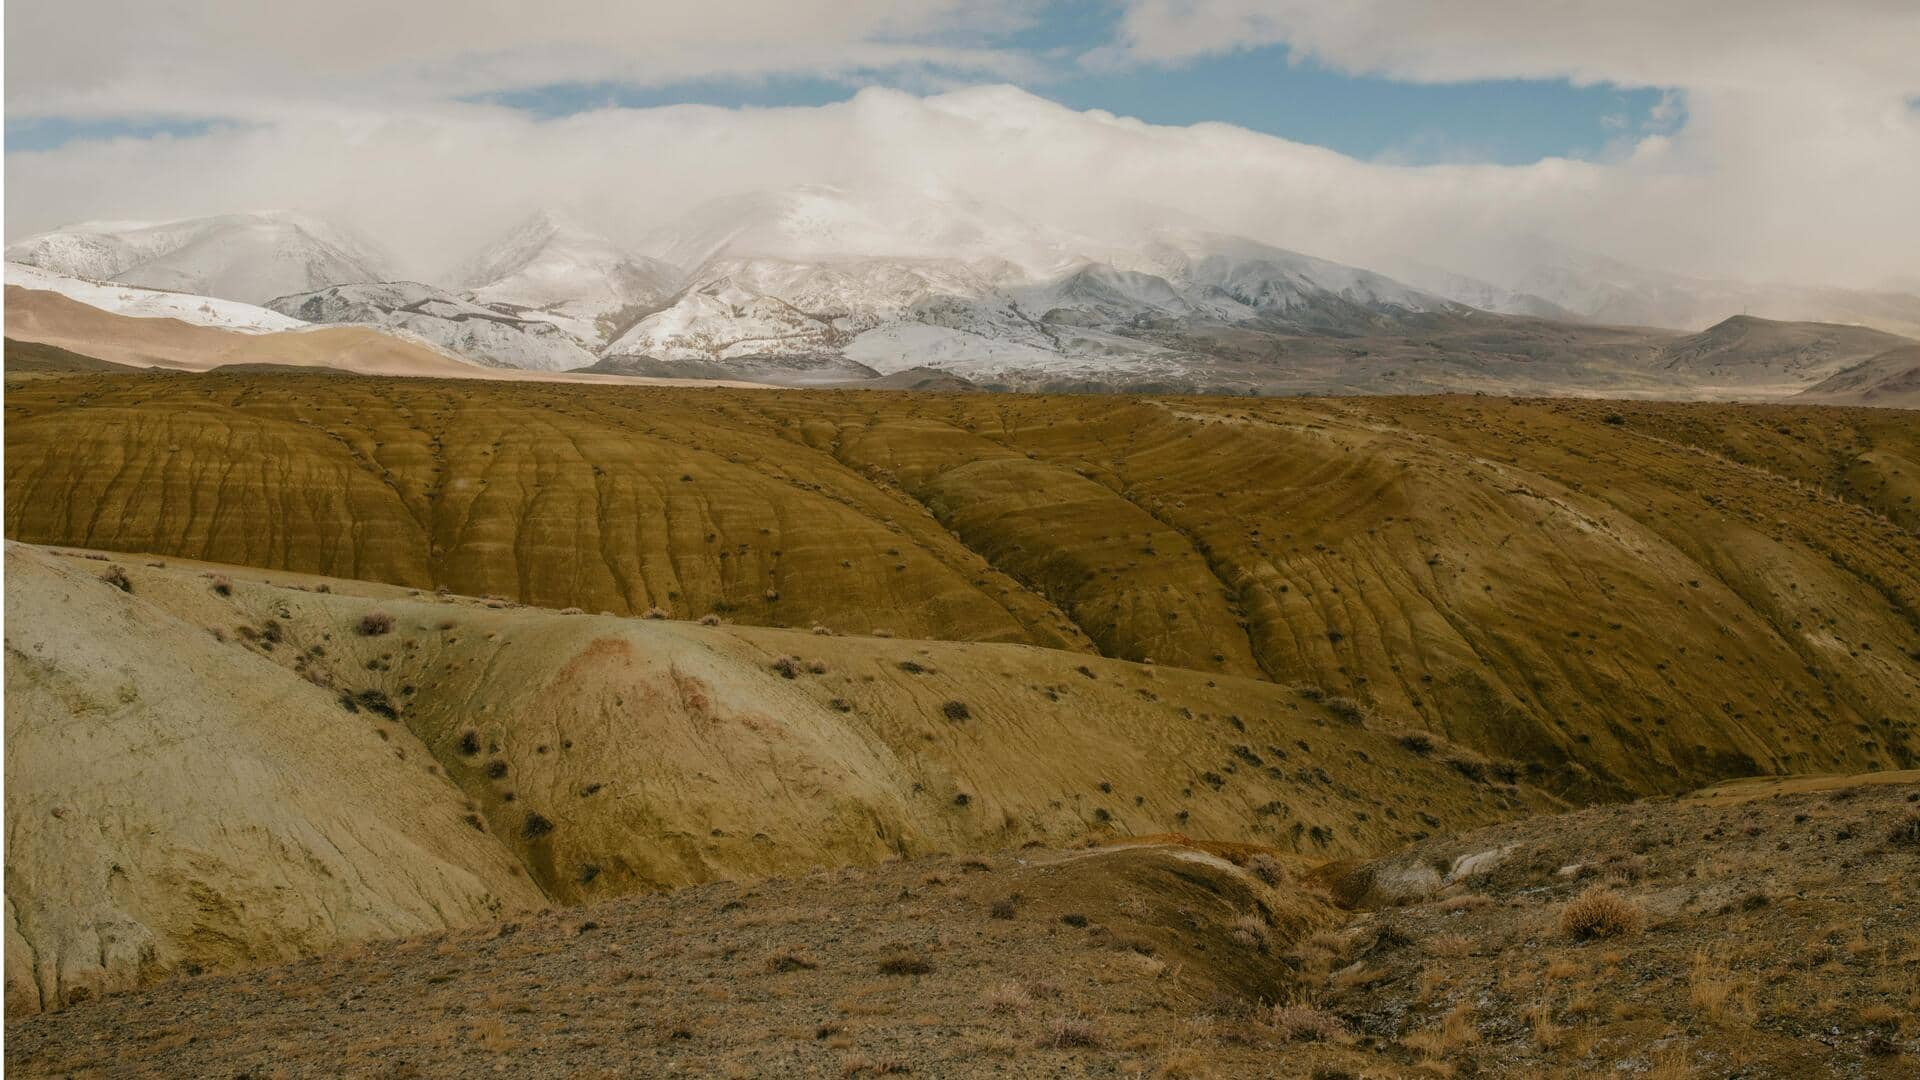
719,321
154,303
480,334
551,269
251,257
867,275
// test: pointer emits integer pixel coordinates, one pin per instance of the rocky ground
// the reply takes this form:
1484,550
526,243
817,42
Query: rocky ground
1766,931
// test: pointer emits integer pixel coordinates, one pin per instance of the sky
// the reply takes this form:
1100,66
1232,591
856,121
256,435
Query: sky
1749,139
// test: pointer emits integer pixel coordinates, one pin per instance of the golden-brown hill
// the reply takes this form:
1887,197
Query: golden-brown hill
205,770
1626,597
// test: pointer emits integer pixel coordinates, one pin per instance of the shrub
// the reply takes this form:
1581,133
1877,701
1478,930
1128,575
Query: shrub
1418,742
1906,832
469,743
956,711
1304,1023
374,623
1601,913
1347,709
1005,907
1068,1032
818,667
788,667
221,585
912,667
116,576
1250,932
790,961
709,619
536,826
1009,998
1267,868
902,962
654,613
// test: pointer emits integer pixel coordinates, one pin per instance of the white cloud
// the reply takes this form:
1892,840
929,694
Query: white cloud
254,59
1786,147
1728,195
1833,46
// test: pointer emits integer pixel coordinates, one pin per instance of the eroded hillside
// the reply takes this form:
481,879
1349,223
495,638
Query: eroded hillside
1625,597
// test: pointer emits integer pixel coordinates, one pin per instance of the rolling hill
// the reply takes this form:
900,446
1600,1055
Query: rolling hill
1625,598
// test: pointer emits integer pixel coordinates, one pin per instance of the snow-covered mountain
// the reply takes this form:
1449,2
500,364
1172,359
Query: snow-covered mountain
481,334
154,303
817,274
251,257
551,269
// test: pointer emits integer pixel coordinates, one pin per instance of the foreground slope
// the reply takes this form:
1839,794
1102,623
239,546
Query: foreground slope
1766,936
176,804
258,775
1627,598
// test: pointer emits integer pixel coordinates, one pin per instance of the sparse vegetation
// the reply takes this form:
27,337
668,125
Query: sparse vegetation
116,576
374,624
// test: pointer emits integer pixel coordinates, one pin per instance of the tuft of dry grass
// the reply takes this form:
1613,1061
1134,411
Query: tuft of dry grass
1601,913
374,624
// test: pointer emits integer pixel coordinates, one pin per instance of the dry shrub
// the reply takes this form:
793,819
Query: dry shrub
1304,1023
374,623
1267,868
956,711
116,576
788,667
1907,832
1251,932
1069,1032
1009,998
221,584
654,613
902,962
1449,945
1601,913
709,619
790,961
1465,902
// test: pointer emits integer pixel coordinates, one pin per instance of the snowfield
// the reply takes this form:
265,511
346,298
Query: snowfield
154,303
